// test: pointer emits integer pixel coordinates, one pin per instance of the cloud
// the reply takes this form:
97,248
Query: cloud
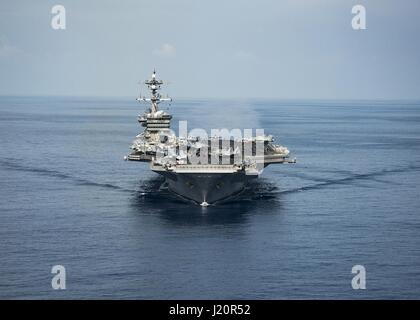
165,51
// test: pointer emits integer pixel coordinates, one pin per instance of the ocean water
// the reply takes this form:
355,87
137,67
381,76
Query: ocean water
68,198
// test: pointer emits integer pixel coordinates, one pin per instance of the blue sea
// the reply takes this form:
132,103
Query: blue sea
68,198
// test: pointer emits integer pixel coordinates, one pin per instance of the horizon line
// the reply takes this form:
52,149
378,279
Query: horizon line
210,98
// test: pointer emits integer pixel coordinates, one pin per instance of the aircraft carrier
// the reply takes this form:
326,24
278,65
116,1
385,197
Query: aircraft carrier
204,169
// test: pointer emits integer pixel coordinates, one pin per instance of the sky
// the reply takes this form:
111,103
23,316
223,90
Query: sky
290,49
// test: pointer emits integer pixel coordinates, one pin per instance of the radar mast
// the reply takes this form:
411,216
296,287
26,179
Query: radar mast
153,85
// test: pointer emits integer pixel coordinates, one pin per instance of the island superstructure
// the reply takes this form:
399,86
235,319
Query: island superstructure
203,169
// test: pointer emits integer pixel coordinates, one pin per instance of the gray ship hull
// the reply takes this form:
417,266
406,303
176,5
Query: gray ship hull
206,188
